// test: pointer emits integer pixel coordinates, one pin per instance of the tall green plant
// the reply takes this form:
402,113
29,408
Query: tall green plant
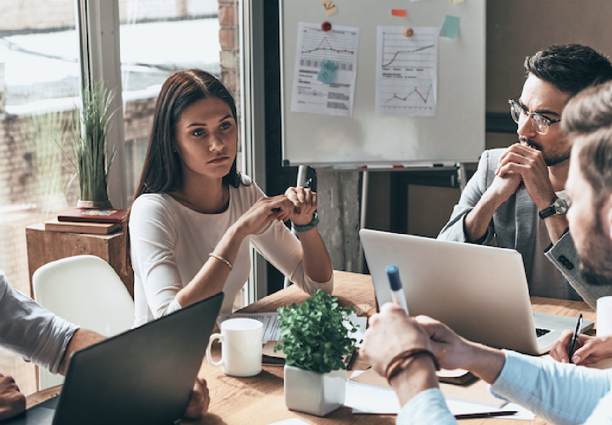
89,142
313,334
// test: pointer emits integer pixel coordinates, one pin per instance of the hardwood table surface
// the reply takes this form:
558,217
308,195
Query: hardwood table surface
259,400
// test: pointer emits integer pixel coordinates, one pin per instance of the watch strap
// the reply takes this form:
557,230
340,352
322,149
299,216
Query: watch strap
306,227
547,212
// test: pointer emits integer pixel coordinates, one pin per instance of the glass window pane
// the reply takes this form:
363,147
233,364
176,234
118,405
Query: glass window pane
39,80
160,37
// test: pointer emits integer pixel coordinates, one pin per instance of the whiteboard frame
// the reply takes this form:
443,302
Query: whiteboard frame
455,134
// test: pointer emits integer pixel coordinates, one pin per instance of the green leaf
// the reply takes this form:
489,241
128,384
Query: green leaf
313,335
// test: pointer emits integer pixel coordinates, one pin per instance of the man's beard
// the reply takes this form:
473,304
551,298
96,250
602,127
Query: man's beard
550,160
596,260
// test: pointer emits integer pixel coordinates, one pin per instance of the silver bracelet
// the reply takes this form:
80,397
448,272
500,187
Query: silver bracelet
223,260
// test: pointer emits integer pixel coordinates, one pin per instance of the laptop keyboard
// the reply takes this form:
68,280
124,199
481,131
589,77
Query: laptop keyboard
541,332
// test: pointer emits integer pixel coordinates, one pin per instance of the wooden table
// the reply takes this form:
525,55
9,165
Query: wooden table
259,400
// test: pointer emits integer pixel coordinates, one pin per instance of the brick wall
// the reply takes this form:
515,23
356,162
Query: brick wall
230,46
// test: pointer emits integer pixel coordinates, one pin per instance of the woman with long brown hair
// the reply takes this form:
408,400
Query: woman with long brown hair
194,214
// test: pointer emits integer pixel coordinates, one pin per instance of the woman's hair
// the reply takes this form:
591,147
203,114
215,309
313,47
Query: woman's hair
162,171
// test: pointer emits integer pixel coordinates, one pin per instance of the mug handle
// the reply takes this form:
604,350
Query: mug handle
208,349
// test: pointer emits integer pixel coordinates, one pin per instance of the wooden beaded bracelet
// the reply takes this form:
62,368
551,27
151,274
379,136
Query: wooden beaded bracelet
400,361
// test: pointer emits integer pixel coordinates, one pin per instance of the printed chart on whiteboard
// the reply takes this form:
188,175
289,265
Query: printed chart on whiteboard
325,70
407,71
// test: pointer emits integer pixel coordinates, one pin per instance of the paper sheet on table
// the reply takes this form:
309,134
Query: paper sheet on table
271,328
314,46
375,399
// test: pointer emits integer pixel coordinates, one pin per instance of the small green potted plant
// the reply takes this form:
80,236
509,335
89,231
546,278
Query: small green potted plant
315,340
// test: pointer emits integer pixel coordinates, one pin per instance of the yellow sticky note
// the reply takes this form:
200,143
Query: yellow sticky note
457,1
330,7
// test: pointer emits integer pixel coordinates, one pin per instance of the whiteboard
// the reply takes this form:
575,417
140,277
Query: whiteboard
455,134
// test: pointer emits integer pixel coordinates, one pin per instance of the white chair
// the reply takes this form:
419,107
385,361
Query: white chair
84,290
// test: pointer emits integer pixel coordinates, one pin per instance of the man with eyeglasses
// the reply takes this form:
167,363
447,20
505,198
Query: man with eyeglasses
517,197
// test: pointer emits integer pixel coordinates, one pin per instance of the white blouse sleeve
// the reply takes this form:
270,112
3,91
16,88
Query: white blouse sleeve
153,242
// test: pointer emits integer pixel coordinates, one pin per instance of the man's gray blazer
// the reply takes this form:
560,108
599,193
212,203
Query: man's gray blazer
514,225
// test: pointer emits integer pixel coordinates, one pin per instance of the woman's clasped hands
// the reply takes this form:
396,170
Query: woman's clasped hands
297,204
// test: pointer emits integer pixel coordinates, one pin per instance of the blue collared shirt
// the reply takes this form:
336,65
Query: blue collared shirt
559,393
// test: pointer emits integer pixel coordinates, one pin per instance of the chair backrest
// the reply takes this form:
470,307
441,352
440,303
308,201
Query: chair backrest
87,291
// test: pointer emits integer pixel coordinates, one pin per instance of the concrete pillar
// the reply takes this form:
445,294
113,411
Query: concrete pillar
338,196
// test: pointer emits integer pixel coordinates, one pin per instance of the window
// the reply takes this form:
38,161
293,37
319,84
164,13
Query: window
40,73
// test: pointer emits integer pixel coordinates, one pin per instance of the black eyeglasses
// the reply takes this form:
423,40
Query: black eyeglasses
519,113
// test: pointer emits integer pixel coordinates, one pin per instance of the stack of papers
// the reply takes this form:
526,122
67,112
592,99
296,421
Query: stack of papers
368,393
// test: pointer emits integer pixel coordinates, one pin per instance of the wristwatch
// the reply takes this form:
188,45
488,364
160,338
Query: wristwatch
559,206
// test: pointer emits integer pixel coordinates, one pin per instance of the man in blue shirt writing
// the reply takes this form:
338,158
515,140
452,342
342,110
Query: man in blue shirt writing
407,350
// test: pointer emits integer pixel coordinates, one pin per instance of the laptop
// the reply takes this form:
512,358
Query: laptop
142,376
479,291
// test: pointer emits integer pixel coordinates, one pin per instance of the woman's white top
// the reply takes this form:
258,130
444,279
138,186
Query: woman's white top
170,243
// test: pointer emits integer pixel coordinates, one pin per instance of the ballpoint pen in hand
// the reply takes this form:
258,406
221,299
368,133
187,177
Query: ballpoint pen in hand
574,340
397,292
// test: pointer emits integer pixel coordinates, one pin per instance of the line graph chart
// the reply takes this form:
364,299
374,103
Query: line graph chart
407,71
314,46
416,94
337,45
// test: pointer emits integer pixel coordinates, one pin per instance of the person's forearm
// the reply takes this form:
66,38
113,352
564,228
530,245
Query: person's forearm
420,375
477,221
484,362
82,338
556,226
317,264
211,278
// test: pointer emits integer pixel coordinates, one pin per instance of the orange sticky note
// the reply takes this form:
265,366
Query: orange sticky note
402,13
330,7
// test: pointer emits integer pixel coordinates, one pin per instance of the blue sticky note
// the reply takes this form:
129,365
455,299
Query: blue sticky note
450,28
327,73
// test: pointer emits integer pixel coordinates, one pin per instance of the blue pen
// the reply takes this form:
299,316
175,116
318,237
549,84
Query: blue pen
396,287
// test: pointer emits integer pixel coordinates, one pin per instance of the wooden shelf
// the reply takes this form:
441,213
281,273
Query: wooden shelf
46,246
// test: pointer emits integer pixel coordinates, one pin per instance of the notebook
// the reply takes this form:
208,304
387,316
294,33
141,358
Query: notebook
479,291
143,376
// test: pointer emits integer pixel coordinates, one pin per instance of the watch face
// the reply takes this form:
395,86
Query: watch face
560,205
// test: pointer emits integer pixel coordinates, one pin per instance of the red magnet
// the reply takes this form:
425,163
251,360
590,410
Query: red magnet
326,26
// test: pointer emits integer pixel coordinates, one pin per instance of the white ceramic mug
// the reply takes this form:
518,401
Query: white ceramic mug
604,316
241,343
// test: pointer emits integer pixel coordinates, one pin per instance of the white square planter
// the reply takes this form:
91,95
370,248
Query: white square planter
312,392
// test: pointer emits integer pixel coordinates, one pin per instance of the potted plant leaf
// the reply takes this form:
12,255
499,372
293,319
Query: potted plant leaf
89,143
315,340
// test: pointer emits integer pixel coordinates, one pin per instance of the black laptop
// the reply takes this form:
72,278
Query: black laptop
142,376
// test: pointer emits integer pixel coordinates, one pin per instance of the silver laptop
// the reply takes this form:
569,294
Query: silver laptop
479,291
142,376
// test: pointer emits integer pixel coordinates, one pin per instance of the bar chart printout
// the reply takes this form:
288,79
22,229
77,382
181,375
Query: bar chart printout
406,71
314,46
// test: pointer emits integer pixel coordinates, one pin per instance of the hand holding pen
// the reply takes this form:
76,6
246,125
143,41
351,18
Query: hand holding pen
572,348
